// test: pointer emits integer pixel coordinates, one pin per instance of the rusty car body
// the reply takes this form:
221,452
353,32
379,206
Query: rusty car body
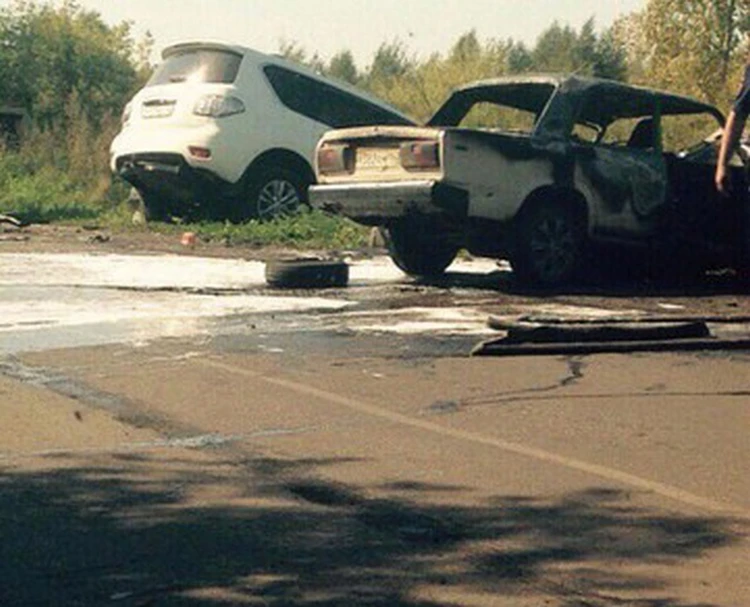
546,171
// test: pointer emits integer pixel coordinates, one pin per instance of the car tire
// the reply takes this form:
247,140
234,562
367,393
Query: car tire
273,192
549,245
420,247
306,273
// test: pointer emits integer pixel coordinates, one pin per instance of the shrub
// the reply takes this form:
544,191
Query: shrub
305,229
61,172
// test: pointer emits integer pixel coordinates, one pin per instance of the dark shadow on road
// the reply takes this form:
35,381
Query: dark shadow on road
622,284
144,530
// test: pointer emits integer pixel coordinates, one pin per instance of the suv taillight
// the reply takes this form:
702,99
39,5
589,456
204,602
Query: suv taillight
420,155
218,106
335,158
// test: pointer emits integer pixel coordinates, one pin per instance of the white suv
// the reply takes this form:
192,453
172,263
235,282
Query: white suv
232,132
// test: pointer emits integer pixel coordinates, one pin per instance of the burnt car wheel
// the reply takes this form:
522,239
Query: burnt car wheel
274,192
419,247
308,273
550,243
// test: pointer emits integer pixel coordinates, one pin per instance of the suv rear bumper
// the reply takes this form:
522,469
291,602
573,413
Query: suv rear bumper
170,176
380,203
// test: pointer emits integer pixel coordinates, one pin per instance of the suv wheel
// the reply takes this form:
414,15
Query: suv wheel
274,192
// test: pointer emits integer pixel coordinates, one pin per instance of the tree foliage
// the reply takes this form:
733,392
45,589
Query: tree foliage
419,86
51,55
72,74
563,49
691,46
343,67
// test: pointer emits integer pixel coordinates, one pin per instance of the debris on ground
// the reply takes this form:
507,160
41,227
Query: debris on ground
525,338
12,220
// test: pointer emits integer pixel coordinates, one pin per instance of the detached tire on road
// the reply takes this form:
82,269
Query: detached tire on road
307,273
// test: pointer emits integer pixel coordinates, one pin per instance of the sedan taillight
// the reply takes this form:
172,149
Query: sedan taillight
335,158
419,155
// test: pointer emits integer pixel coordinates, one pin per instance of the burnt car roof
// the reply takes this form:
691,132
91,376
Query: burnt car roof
532,93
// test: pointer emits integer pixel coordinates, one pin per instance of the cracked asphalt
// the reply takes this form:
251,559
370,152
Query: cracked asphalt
323,457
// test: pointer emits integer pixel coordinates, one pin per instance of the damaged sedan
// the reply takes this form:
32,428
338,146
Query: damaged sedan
553,173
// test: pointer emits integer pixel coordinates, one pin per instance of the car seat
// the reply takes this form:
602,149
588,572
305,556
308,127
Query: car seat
642,137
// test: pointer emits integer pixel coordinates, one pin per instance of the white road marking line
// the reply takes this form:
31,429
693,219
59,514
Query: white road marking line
611,474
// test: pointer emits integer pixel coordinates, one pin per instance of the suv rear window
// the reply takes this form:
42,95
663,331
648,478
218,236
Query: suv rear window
324,103
197,66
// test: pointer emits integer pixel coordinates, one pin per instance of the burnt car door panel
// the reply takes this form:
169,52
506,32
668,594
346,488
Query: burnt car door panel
625,187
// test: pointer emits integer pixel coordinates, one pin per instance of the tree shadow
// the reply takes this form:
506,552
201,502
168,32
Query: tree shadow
143,530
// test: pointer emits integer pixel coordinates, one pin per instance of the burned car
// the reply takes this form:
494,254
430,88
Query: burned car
548,172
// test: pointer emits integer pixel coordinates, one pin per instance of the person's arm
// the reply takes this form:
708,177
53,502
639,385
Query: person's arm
729,142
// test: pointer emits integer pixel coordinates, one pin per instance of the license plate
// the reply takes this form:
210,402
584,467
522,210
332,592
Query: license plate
377,159
157,110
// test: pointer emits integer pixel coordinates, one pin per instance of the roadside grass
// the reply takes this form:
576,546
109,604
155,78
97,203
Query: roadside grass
47,196
44,197
306,229
45,184
60,173
43,191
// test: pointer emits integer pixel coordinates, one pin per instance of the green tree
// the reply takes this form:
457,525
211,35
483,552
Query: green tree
50,54
520,59
563,49
611,58
692,46
391,61
293,52
73,74
554,50
342,66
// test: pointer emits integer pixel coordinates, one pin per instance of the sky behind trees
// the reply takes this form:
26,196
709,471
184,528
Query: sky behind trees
361,26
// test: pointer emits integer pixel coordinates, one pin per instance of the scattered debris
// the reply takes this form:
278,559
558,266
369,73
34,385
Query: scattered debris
670,306
580,333
592,338
188,239
12,221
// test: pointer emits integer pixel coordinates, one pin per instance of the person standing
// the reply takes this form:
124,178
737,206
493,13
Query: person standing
730,141
732,134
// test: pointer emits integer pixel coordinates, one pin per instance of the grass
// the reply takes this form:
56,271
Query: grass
48,196
36,192
48,183
307,229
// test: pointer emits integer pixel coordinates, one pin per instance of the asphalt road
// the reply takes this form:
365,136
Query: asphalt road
203,441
